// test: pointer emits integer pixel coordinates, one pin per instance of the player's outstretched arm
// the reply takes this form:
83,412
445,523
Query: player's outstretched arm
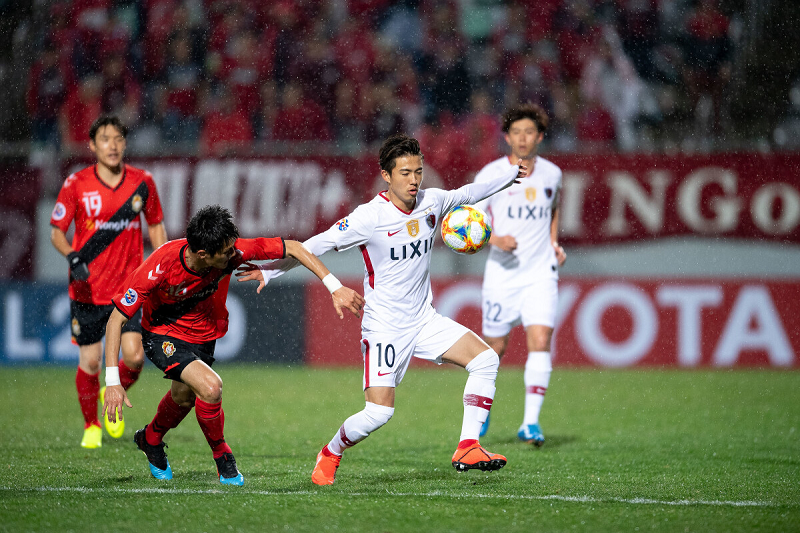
115,394
343,297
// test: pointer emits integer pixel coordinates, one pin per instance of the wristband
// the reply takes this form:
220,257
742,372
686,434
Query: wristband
112,376
332,283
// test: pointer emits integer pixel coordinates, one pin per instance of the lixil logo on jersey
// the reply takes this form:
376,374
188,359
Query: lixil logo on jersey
130,297
343,224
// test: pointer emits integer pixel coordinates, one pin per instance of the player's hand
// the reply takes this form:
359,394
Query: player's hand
561,255
77,266
115,396
348,298
523,171
507,243
251,272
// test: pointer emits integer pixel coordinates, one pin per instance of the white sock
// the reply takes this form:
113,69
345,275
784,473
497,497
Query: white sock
357,427
537,378
479,392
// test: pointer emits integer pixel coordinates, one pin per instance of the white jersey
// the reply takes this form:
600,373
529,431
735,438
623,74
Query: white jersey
524,211
396,246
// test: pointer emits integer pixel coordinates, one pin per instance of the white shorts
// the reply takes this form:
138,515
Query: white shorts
505,308
388,354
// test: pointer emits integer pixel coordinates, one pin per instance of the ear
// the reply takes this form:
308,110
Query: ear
385,175
92,146
507,138
540,138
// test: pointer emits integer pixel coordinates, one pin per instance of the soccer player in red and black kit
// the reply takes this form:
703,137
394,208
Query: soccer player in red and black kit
105,201
182,288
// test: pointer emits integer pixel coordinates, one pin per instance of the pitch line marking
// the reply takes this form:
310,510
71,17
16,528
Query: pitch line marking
554,497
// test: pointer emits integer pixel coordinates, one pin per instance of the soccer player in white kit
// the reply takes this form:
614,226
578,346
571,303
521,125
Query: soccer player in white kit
520,283
395,233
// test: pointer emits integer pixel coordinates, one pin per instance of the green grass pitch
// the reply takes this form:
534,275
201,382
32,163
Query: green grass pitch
626,450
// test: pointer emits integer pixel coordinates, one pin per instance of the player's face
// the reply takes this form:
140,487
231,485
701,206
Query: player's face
523,138
220,259
404,181
109,146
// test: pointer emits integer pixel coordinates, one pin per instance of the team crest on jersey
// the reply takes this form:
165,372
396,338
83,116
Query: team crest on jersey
530,194
130,297
76,327
59,211
168,348
343,224
431,220
413,227
548,192
136,203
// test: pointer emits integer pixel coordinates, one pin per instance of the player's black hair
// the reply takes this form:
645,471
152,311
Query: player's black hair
108,120
210,229
528,110
396,146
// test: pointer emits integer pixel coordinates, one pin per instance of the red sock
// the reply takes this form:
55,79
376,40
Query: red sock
211,418
127,375
168,415
88,386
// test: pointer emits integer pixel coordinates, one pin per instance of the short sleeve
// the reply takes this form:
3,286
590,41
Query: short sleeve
152,209
64,210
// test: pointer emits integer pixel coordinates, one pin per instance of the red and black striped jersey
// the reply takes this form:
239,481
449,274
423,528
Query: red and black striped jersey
108,227
179,302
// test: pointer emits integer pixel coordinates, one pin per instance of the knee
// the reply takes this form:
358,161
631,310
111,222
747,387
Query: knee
211,390
378,415
134,360
485,364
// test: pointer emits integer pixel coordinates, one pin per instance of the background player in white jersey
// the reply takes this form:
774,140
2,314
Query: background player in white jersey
396,232
520,283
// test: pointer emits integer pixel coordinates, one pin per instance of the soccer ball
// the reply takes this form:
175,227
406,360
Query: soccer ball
466,229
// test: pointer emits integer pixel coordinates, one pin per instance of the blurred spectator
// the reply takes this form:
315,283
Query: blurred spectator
226,130
610,80
178,92
268,112
383,116
348,130
47,88
637,25
594,127
245,70
480,131
81,108
121,94
708,66
316,70
446,150
300,118
575,31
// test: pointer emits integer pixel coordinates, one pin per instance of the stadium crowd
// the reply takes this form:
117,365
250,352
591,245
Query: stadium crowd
219,77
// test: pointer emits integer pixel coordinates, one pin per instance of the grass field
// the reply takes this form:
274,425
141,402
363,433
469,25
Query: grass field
626,451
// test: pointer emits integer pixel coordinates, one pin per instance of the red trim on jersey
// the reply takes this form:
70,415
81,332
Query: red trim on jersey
106,185
183,261
391,202
368,264
366,363
535,389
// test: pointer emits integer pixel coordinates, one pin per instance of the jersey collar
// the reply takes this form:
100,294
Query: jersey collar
382,194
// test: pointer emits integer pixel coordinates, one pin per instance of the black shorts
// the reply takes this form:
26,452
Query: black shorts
172,355
89,322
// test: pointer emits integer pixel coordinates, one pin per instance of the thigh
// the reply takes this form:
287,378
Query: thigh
440,335
500,310
386,356
540,304
172,355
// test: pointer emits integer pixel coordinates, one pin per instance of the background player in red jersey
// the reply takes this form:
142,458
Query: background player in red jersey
105,201
182,288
